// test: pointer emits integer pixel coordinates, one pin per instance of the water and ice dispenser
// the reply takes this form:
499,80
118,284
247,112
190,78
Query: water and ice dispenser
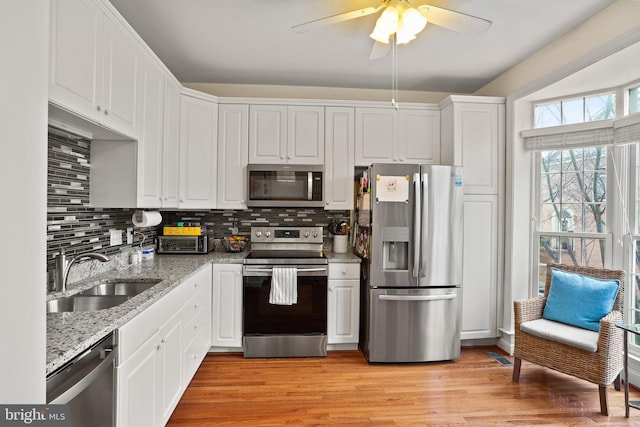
395,248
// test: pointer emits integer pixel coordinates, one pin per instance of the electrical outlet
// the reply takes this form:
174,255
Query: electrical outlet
129,235
115,237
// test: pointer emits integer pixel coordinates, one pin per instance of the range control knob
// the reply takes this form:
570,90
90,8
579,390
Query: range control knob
315,234
267,233
306,234
258,233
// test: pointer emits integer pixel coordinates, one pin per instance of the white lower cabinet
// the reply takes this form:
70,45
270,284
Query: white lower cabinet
152,353
480,267
226,314
343,303
196,316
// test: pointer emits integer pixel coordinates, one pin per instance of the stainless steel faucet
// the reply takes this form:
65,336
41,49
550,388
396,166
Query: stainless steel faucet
63,266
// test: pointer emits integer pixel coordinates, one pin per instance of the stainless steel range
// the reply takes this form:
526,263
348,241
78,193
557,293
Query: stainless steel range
285,293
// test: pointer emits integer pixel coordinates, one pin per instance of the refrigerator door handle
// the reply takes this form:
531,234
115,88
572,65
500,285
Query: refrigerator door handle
416,297
416,224
424,237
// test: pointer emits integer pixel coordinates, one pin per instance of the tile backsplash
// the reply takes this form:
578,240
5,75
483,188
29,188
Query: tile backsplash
77,228
72,224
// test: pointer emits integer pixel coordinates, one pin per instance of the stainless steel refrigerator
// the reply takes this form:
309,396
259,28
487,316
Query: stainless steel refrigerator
412,280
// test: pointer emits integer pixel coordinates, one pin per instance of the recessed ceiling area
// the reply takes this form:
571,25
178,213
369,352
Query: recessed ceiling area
251,42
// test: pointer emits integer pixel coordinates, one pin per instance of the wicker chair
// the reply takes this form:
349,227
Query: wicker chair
602,367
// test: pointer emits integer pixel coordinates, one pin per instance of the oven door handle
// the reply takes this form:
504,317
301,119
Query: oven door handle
269,271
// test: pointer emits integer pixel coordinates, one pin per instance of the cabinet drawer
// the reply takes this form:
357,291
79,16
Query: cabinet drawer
194,354
139,329
344,270
194,305
198,323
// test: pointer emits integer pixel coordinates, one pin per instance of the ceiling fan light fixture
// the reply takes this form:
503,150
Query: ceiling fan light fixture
413,21
386,25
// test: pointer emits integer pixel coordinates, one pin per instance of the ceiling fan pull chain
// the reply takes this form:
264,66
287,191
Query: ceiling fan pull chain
394,72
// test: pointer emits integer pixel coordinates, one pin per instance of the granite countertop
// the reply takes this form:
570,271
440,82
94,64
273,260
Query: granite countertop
69,334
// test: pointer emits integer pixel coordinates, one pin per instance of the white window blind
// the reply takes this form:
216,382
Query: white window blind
600,133
627,129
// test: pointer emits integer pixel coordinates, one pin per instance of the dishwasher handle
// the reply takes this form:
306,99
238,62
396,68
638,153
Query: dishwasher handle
78,387
416,297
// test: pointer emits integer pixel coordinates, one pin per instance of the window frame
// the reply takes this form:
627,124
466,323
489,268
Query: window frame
536,234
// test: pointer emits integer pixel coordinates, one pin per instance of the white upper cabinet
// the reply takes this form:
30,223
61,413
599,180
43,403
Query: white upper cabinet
198,152
339,155
171,146
473,135
150,146
233,147
94,66
286,134
386,135
305,136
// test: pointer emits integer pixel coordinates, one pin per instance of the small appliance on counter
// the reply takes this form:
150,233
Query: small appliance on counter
185,239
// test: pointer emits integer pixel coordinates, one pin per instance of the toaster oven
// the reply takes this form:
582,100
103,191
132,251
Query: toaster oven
185,244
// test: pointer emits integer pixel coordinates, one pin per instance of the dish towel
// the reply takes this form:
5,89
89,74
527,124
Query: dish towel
284,286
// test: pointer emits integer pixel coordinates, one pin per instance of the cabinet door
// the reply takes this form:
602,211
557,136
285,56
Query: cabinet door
479,290
267,134
171,145
419,136
233,148
343,317
137,382
478,137
226,320
120,87
76,62
198,153
170,368
150,152
339,155
376,130
305,135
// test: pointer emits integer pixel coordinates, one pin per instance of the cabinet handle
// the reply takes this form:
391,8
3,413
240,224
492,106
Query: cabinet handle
195,284
195,327
98,108
158,347
195,306
282,157
106,112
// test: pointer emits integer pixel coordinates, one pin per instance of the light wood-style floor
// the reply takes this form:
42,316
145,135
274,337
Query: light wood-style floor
343,389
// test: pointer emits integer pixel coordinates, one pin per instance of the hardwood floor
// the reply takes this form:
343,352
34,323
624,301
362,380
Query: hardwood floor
343,389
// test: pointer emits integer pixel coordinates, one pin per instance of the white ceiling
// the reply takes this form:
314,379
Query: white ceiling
251,42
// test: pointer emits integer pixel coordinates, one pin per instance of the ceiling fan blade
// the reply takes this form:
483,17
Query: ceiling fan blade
379,50
334,19
456,21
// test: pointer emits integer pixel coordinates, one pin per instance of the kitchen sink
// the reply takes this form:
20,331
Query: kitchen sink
84,303
122,287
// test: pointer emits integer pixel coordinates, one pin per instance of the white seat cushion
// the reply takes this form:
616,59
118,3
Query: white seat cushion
566,334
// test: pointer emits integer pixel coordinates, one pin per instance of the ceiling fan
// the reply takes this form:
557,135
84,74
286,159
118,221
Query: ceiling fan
400,22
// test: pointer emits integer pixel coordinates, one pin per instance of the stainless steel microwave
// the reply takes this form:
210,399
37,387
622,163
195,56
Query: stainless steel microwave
285,185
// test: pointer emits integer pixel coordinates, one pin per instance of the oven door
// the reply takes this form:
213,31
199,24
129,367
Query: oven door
297,330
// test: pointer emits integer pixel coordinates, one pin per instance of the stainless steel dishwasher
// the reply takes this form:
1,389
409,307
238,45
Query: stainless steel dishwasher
86,384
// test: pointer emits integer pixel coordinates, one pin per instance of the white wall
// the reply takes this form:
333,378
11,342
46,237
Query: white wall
612,22
311,92
23,173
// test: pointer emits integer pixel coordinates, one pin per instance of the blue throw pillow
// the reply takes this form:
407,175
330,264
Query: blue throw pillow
579,300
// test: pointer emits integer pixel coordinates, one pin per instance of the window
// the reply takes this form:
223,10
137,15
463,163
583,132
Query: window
634,100
575,110
572,208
